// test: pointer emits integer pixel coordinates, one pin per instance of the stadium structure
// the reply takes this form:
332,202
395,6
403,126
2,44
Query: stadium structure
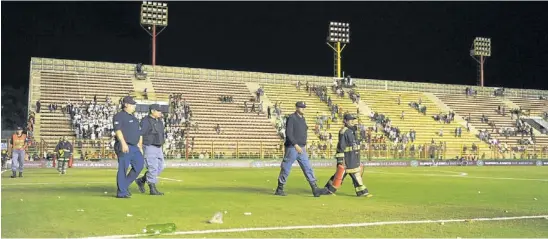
253,135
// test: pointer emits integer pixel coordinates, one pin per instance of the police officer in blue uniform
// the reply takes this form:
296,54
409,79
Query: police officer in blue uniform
295,149
128,147
152,131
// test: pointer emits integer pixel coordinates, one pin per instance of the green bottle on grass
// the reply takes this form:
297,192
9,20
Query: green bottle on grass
160,228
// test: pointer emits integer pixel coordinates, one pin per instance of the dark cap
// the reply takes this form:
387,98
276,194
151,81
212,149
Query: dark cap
154,107
128,100
349,117
19,128
300,104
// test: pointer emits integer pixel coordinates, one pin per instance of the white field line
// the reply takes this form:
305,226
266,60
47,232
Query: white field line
170,179
460,176
4,171
364,224
444,171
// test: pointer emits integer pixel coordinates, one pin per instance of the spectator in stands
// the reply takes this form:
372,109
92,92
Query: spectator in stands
268,111
259,93
139,71
260,108
217,129
245,107
38,105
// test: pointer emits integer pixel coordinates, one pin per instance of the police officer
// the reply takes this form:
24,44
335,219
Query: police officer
18,146
127,147
64,151
295,149
348,160
152,131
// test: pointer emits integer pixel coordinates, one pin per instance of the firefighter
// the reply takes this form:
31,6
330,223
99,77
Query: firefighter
348,160
64,151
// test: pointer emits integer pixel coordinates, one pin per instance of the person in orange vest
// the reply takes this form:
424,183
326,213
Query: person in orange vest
18,146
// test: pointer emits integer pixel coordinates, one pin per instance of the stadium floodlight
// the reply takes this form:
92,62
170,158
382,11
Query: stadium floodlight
339,33
154,15
480,50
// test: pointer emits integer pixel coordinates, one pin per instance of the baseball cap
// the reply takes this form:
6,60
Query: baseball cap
128,100
300,104
154,107
349,117
19,128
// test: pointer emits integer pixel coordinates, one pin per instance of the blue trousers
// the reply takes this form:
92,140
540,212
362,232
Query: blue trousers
17,160
133,157
289,158
154,159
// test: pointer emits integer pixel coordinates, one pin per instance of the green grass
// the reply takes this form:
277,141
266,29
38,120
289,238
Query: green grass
50,210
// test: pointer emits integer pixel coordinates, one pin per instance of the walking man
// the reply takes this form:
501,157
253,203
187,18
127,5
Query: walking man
348,160
127,147
295,149
152,132
64,151
18,146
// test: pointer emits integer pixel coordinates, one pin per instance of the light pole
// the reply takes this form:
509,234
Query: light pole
338,33
153,15
481,49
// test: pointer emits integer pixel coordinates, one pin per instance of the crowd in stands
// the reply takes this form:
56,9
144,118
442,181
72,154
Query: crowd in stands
178,123
91,120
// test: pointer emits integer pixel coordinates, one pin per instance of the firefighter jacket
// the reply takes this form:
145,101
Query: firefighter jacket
64,149
348,149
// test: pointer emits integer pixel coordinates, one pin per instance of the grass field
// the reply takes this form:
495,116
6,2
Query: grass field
44,204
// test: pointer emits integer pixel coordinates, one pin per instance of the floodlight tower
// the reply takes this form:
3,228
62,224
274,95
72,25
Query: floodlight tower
481,49
338,33
153,15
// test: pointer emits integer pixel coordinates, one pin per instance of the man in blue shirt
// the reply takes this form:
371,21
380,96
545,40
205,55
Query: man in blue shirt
295,149
128,147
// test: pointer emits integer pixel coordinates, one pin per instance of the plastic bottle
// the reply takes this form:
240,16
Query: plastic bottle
160,228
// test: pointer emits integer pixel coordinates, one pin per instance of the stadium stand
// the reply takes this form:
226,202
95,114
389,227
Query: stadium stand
55,81
477,106
386,102
536,106
62,87
245,132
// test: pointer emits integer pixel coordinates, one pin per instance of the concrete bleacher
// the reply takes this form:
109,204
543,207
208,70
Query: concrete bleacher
385,102
246,132
476,106
536,106
57,80
60,87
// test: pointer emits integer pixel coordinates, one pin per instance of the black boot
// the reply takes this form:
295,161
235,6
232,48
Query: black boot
315,190
280,190
20,174
13,174
153,190
141,184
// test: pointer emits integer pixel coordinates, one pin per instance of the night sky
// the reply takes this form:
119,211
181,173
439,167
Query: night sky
416,41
